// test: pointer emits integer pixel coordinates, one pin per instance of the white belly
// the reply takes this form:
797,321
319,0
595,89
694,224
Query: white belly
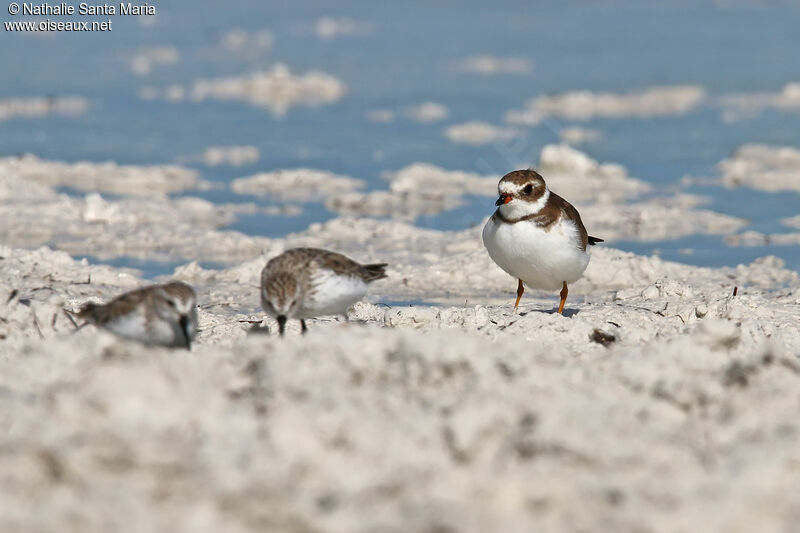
133,326
333,294
542,259
130,326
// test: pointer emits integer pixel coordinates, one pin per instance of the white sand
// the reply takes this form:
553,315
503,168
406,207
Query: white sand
576,135
585,105
738,106
476,133
160,228
425,177
756,238
381,116
297,184
32,214
276,89
599,190
578,177
243,41
423,113
427,112
453,417
406,206
332,27
146,59
464,418
104,177
15,108
490,65
763,167
172,93
233,156
660,401
453,266
792,222
659,219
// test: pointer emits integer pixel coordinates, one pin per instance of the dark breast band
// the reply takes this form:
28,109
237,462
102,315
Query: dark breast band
555,208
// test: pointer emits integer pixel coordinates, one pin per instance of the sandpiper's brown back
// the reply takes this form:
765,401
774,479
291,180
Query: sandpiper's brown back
297,260
101,314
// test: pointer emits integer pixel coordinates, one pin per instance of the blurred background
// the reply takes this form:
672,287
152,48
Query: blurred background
692,98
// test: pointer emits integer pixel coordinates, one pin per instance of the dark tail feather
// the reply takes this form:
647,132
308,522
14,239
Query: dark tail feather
594,240
373,272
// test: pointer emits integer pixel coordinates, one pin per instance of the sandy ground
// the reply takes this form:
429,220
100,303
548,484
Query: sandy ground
658,402
584,105
665,399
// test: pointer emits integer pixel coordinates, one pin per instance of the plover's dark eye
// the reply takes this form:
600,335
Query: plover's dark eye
528,189
171,303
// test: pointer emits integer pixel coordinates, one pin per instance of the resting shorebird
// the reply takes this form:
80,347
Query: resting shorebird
309,282
536,236
165,315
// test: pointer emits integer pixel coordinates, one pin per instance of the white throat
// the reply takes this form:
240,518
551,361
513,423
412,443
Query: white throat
517,208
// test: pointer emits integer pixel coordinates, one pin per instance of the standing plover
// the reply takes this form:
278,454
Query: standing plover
159,314
536,236
309,282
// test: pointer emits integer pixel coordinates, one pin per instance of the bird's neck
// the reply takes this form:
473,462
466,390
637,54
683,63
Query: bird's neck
517,209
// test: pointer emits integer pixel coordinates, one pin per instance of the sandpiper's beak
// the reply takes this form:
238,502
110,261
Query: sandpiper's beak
183,321
281,324
504,199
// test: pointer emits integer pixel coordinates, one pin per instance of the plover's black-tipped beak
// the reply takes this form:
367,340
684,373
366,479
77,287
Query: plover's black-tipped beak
504,199
281,324
183,321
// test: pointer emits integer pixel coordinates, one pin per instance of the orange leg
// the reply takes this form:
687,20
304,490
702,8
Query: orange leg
520,290
564,293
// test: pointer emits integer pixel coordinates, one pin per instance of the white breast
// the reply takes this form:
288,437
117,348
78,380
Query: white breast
332,294
542,258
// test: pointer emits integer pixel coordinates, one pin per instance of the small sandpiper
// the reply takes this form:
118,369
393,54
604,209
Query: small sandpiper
308,282
164,315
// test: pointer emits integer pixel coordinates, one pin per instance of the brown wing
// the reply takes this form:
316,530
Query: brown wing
297,259
101,314
345,266
568,211
294,261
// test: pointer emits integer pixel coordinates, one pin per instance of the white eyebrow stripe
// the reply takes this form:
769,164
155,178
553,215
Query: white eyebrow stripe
508,187
511,188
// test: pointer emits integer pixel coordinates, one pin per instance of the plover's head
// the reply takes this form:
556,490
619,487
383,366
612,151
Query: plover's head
522,193
176,303
281,295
